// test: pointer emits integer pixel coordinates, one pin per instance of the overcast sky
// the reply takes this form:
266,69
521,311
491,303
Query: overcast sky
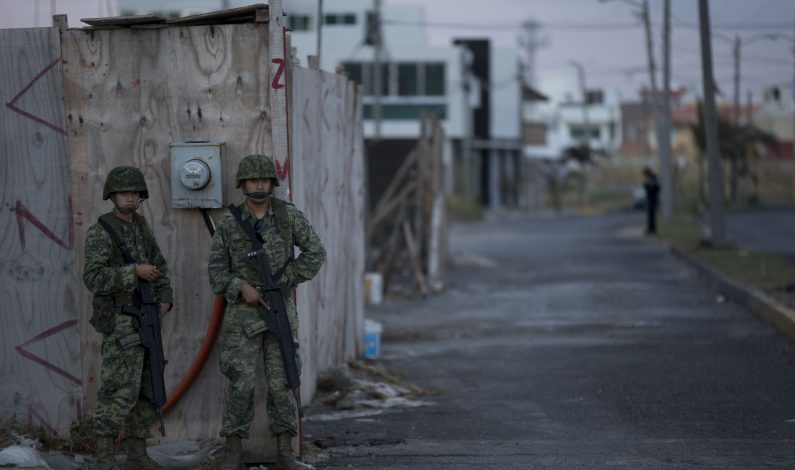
608,38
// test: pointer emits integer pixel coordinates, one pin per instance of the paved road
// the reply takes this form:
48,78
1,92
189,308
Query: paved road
587,348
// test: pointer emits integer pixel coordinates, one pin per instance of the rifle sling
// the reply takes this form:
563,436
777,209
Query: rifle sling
256,242
125,251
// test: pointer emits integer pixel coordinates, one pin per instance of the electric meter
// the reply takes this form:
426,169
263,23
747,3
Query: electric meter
197,174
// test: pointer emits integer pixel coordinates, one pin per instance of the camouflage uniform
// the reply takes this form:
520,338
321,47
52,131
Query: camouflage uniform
124,378
239,353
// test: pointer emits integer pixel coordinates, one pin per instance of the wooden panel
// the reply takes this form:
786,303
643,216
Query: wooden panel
128,94
327,175
40,376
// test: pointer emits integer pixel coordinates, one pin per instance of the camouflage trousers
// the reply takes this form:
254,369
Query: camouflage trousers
124,386
240,356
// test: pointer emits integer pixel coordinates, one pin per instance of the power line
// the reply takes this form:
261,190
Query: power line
515,26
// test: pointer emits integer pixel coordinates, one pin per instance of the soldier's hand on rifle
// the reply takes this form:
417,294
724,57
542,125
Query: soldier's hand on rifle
147,272
252,296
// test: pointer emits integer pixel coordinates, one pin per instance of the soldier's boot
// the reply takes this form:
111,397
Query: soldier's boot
137,458
233,458
285,458
106,457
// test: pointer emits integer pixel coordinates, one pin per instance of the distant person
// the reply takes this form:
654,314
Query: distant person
652,188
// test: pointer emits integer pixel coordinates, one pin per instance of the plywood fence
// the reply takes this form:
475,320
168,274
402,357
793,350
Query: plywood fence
328,184
128,93
40,378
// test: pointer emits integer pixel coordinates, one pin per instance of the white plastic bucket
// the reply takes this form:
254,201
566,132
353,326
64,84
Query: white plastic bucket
374,288
372,339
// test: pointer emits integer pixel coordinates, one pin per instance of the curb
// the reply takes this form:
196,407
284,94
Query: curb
761,305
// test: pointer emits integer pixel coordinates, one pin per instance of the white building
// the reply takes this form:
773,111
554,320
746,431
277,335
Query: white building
416,78
568,119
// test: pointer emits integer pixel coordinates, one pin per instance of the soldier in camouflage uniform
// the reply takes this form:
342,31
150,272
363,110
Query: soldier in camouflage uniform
124,378
281,227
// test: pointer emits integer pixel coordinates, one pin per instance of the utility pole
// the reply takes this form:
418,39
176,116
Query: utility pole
377,73
586,139
665,159
319,29
531,42
664,137
749,180
716,216
586,134
735,118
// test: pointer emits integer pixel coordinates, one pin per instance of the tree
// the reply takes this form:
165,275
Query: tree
560,177
747,141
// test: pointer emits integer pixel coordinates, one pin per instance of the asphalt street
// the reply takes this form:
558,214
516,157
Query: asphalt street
585,346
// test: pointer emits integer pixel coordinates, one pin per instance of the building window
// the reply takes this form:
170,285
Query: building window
298,22
594,97
576,132
354,71
434,79
339,19
400,79
407,79
535,133
407,111
363,73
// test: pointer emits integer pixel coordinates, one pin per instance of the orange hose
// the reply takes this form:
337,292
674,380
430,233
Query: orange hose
210,336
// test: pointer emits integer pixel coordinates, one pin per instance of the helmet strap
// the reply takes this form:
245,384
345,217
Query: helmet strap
259,196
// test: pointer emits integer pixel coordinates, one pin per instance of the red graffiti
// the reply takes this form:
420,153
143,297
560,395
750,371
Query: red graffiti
46,425
323,110
276,82
47,333
24,213
12,104
282,171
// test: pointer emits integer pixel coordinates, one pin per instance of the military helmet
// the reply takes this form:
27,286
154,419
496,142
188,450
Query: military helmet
123,179
256,166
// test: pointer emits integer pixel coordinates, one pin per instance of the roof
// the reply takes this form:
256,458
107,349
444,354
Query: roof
256,13
531,94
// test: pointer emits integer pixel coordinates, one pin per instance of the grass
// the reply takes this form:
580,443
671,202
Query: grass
465,210
760,270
